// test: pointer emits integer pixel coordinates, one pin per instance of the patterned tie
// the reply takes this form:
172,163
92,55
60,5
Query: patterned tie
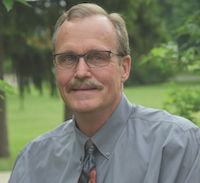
88,174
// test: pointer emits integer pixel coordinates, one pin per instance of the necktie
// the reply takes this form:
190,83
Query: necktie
88,174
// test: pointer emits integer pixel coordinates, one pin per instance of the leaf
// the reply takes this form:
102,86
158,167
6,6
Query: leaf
8,4
5,87
149,1
23,2
2,97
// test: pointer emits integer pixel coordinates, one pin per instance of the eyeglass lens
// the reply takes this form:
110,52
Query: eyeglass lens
92,58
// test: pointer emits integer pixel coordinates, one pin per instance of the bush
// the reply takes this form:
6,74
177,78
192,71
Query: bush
159,65
184,102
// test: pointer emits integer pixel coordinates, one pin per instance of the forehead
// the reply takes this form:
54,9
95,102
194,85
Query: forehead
93,31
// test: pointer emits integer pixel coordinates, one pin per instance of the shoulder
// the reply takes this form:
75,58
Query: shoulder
172,143
151,116
37,153
160,129
163,127
52,139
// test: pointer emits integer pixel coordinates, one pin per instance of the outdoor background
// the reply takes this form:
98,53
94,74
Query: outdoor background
165,50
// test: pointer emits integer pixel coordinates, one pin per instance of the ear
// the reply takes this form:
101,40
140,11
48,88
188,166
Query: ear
125,70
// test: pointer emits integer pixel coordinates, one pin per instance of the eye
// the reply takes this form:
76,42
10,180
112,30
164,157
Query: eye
97,56
69,58
66,59
94,56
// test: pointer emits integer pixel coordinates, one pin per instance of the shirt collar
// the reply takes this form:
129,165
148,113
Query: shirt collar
80,136
106,137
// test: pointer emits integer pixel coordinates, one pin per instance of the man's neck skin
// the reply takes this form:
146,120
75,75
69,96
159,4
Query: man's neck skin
89,123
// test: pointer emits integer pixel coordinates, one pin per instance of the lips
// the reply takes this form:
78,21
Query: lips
83,89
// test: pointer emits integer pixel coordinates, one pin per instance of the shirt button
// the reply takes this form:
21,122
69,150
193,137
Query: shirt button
107,154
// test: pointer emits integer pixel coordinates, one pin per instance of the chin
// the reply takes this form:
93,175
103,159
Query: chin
86,106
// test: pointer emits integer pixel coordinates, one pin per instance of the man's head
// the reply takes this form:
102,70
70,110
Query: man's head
89,44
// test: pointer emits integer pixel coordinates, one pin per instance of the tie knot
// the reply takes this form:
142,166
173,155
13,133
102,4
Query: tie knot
89,147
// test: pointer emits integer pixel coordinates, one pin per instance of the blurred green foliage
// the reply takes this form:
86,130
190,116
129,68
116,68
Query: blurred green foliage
26,35
181,52
188,36
161,63
5,87
152,24
9,3
184,102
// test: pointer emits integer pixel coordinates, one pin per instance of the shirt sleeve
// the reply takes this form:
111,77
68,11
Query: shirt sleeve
181,158
18,171
194,170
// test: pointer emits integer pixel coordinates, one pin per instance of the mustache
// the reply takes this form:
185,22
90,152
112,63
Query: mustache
87,83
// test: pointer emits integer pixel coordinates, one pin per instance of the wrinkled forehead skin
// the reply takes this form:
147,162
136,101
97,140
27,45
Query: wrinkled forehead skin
91,28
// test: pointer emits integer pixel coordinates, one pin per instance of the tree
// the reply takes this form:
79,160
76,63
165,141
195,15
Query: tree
23,41
181,52
4,148
167,16
186,102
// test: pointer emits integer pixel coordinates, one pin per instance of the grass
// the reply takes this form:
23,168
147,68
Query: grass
39,114
149,96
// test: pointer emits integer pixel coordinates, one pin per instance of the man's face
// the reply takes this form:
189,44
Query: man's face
86,89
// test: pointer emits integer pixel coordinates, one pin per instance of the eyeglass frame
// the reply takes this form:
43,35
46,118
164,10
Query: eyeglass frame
78,56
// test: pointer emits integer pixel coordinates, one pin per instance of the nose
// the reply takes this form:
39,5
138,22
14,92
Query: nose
82,70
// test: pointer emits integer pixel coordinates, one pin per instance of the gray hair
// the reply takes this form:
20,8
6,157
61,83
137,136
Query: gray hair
89,9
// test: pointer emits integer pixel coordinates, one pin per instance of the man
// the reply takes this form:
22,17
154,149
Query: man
108,140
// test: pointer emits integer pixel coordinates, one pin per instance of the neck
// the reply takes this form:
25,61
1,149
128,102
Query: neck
90,122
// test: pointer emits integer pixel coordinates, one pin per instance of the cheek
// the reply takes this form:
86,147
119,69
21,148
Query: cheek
62,78
113,80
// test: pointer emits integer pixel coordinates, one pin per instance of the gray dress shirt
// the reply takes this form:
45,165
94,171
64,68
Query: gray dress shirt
136,145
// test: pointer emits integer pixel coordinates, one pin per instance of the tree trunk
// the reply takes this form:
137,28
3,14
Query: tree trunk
4,147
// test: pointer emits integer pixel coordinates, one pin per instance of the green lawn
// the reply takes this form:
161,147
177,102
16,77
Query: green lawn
39,114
